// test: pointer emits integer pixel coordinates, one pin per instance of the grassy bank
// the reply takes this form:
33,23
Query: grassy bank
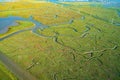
5,74
22,25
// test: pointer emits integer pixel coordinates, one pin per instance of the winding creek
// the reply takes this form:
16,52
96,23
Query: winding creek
11,21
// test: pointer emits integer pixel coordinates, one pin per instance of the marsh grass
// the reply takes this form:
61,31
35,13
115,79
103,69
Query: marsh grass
83,50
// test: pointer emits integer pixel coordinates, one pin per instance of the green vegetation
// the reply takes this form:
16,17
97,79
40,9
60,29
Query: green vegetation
96,11
72,48
5,74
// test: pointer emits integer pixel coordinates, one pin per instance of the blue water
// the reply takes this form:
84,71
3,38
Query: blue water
6,22
112,4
